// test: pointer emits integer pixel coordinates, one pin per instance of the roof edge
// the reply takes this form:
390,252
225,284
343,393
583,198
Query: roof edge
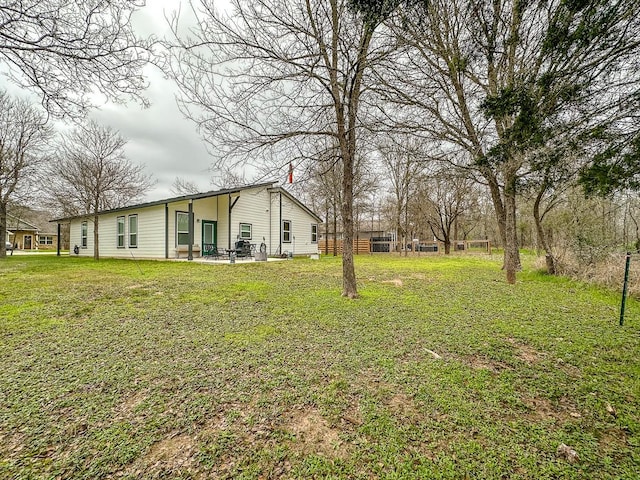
297,202
182,198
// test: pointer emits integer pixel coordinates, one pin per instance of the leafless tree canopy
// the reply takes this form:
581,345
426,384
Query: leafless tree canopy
182,186
69,50
505,80
91,173
287,76
24,141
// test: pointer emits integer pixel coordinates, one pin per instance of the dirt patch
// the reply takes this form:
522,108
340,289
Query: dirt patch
403,405
482,363
131,403
543,409
612,439
396,281
171,455
525,352
570,370
314,435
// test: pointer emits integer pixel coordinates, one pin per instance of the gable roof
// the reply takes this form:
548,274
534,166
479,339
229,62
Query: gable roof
195,196
19,224
296,201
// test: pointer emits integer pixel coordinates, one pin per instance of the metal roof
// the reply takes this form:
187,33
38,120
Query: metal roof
194,196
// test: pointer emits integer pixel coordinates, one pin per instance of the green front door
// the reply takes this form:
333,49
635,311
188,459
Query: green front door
209,232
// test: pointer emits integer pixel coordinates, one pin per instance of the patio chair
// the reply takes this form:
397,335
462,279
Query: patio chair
210,250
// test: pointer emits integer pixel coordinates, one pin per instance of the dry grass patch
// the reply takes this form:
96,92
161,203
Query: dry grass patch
314,435
478,362
171,456
542,409
525,352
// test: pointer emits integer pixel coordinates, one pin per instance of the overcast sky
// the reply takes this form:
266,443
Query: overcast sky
160,138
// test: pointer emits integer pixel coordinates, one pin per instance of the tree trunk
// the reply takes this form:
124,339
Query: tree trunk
326,230
542,236
498,206
335,232
96,250
447,245
511,252
349,286
3,229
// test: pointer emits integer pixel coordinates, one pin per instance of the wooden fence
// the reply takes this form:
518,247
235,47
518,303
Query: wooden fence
359,246
364,246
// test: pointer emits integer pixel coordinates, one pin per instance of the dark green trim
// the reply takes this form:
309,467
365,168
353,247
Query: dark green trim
166,230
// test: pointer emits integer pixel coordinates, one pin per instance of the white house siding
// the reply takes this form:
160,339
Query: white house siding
258,206
301,222
253,208
150,234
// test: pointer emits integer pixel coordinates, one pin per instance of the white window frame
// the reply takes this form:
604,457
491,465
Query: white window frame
242,235
133,233
46,239
84,233
178,233
286,231
120,234
314,233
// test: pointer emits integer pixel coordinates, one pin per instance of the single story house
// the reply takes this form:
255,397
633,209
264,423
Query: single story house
180,226
30,231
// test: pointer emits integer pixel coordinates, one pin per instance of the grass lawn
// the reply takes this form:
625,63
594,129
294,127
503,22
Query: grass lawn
119,369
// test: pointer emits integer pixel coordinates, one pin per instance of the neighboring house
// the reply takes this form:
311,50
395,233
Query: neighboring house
27,233
162,229
31,230
24,235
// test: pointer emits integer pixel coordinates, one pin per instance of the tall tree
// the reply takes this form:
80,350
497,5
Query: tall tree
67,50
91,173
503,79
285,76
24,140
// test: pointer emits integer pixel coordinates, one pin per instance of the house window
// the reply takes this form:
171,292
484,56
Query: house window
133,231
46,240
83,235
182,228
245,231
286,231
120,234
314,233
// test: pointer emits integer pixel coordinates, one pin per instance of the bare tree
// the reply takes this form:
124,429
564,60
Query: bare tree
66,50
501,80
403,161
228,178
91,173
281,75
182,186
24,139
446,196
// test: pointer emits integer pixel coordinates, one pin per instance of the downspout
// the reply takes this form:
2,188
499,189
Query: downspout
190,250
280,224
217,219
271,214
166,230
